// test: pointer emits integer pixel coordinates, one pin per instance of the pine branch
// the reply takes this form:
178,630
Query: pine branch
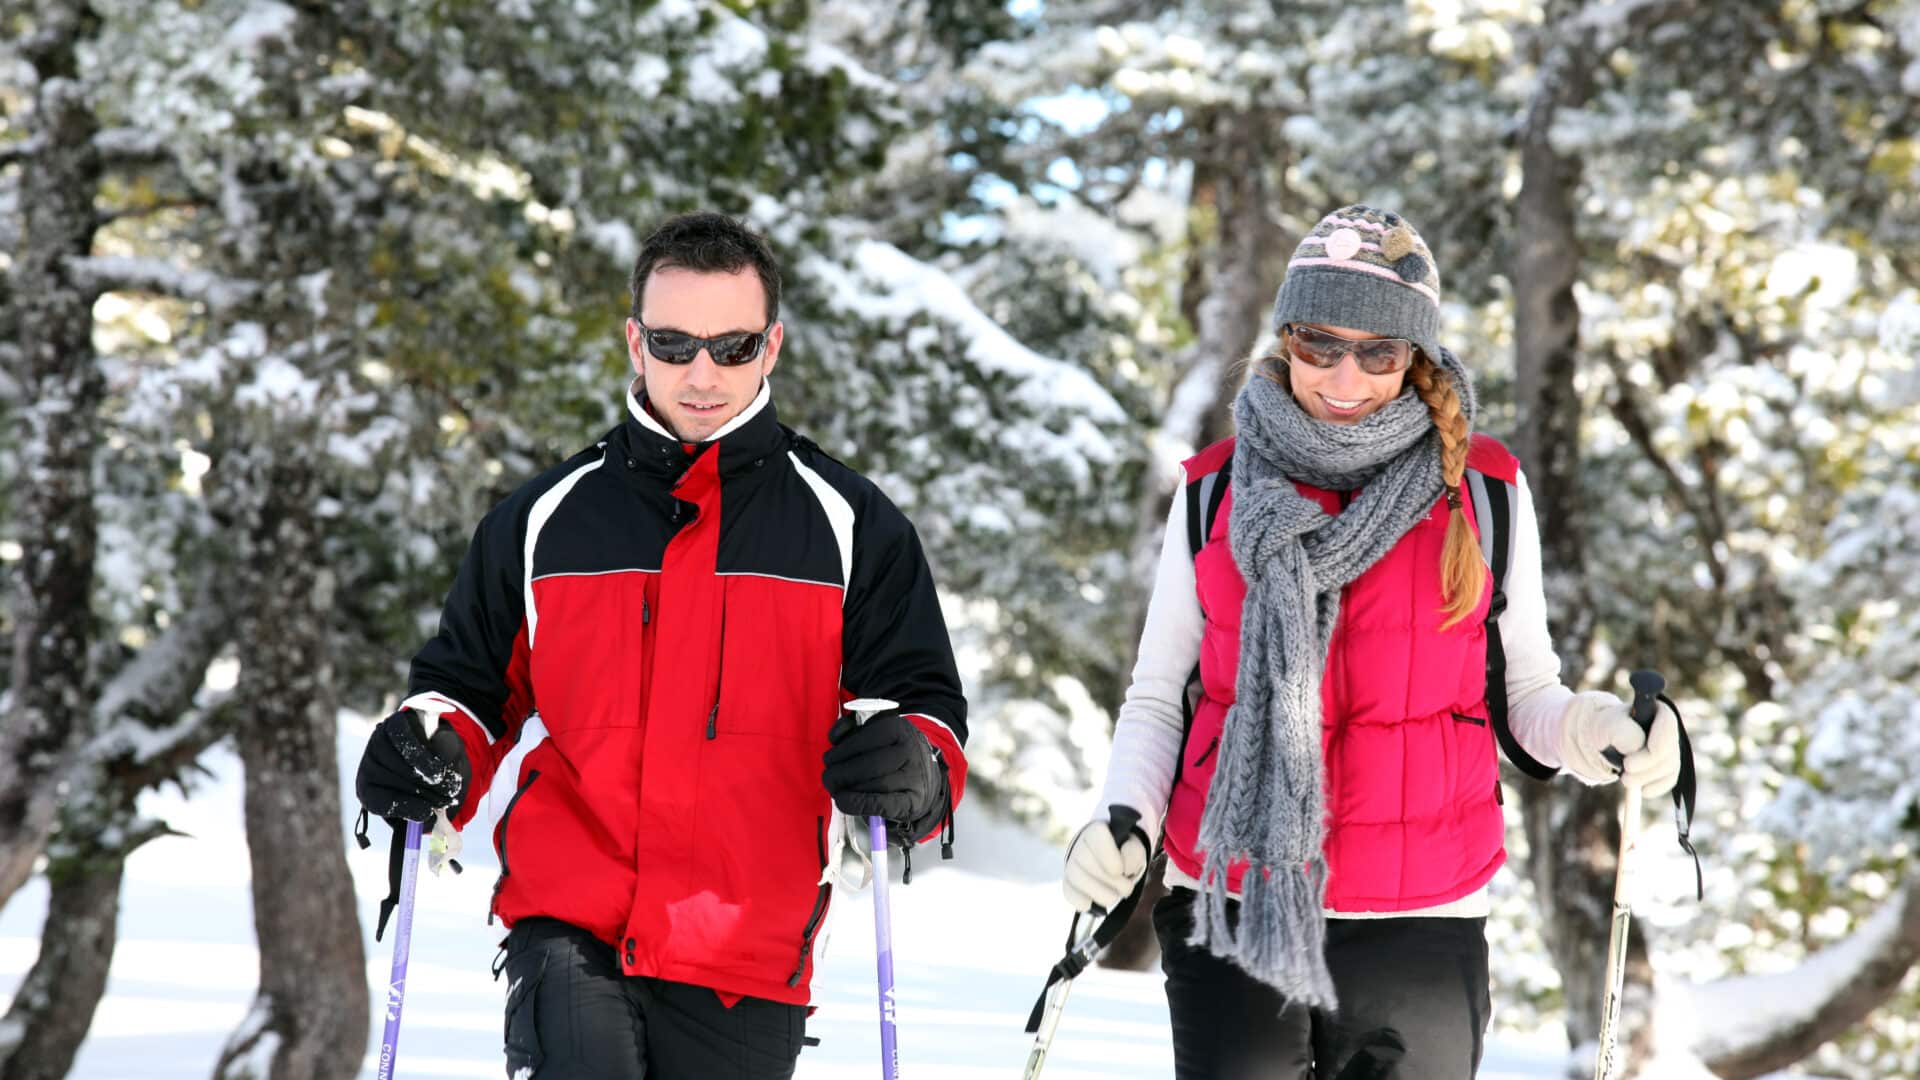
20,150
184,202
148,729
114,273
123,147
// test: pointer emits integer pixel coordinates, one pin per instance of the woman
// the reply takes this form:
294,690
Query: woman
1332,812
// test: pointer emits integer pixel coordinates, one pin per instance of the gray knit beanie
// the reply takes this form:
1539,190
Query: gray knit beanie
1367,269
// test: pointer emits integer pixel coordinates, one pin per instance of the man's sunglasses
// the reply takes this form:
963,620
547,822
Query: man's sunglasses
1376,356
727,350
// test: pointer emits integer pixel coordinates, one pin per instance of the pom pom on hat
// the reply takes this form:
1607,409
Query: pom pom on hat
1399,243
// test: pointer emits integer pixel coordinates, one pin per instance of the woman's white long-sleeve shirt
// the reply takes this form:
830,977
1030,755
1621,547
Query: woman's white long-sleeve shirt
1147,735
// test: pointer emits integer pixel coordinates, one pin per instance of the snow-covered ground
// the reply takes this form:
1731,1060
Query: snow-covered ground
973,940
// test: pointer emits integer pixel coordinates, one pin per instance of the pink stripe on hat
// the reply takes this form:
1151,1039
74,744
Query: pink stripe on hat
1357,223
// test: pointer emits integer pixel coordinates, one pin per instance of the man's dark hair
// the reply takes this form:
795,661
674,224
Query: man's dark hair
709,243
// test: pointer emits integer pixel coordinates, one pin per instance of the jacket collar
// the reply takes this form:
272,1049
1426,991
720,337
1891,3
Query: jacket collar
745,440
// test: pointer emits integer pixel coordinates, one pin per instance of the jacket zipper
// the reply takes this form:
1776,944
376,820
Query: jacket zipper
713,715
946,831
819,905
500,844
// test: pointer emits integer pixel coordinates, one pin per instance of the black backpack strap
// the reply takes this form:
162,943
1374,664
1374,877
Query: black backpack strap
1493,506
1203,505
1204,497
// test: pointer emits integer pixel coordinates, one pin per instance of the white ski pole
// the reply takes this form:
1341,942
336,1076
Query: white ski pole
1647,686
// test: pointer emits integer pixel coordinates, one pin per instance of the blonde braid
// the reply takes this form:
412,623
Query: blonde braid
1463,577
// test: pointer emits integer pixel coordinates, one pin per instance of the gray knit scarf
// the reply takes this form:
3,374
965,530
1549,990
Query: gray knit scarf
1265,805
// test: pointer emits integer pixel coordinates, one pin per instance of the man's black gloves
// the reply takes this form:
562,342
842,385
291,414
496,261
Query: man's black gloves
405,776
886,768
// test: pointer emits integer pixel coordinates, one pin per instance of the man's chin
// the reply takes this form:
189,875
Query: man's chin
699,427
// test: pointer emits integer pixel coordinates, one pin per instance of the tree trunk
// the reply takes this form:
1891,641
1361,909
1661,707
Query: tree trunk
52,691
1250,253
55,1003
1573,832
99,828
1242,270
309,1020
1573,843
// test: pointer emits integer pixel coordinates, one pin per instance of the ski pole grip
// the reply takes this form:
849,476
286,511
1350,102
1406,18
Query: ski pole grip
1647,685
1121,821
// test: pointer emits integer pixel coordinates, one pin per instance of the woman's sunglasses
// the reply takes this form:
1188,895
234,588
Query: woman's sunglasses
1376,356
727,350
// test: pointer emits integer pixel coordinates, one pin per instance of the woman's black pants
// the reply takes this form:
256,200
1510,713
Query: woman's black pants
1413,1004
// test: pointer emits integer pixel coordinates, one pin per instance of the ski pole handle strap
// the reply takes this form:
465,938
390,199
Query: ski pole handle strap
1649,693
1684,791
396,861
1124,821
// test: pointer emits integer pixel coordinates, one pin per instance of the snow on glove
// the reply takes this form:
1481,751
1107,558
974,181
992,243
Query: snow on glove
405,776
1595,722
1100,871
1656,768
884,768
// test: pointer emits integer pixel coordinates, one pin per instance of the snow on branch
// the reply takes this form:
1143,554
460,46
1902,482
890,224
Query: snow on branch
1763,1023
143,713
118,273
1612,22
129,146
20,150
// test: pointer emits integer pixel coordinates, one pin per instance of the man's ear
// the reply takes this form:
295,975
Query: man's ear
635,345
772,355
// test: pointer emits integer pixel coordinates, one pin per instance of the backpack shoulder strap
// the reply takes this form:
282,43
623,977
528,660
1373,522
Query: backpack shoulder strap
1494,502
1204,494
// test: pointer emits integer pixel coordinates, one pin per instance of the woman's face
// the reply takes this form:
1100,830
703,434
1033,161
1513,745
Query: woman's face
1342,394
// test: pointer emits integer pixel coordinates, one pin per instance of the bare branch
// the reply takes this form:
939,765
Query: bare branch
184,202
1707,525
114,273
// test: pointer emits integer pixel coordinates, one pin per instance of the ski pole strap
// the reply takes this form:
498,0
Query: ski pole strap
1079,958
1079,955
1648,694
396,857
1683,796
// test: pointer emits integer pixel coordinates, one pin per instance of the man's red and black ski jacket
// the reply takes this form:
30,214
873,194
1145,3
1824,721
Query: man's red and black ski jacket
643,652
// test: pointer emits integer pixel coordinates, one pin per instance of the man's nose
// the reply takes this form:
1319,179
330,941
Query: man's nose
701,370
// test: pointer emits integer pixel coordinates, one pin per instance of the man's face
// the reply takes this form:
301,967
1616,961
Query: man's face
696,399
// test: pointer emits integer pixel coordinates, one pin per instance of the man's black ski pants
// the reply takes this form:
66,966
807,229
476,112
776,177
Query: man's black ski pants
572,1015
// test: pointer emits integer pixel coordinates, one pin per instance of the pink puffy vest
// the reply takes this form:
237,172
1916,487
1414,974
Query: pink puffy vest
1412,782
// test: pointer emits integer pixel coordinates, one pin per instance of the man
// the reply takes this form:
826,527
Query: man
642,663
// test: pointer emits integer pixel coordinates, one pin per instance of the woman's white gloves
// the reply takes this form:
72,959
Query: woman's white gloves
1597,721
1100,871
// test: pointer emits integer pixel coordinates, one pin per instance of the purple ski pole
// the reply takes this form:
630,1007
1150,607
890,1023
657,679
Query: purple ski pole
402,937
863,710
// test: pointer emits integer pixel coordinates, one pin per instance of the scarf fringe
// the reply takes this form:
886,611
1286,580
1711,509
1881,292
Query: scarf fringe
1282,937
